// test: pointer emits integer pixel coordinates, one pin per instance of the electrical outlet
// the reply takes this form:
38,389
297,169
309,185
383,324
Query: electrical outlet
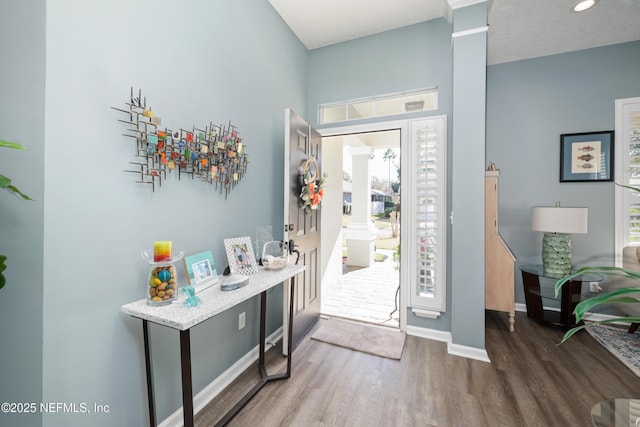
593,287
241,320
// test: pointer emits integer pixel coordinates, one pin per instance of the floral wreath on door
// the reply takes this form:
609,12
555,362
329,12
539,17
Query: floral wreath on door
312,191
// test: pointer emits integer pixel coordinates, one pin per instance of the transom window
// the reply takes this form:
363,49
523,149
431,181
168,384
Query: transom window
379,106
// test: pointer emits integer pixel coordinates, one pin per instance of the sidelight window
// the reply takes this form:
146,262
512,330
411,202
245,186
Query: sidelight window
428,222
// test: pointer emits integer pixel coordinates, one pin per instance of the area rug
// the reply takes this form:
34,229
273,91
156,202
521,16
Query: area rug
374,340
623,345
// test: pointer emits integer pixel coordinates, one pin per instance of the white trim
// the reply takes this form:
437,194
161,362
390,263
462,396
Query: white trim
452,349
468,352
621,162
364,128
286,190
521,307
405,226
457,4
596,317
403,126
430,334
429,314
469,32
214,388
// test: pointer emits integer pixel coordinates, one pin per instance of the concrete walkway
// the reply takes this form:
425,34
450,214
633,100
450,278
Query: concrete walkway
365,294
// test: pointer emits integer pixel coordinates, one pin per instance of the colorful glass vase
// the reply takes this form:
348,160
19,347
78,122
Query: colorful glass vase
162,283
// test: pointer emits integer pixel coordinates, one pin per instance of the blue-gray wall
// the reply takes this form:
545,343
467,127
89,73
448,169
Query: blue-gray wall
530,104
22,94
466,282
196,62
74,253
409,58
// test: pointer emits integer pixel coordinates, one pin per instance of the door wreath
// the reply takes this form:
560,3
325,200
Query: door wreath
312,187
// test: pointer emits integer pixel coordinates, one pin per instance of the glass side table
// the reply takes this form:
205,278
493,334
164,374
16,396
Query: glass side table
570,296
616,413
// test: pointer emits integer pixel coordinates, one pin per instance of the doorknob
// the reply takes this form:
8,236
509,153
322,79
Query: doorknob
293,248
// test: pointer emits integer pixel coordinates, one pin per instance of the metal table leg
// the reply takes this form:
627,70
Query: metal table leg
187,386
264,377
147,362
185,361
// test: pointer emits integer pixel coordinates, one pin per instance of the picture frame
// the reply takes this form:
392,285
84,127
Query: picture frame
201,270
242,259
586,156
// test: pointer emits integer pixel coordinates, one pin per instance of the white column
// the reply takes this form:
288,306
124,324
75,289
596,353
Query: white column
361,232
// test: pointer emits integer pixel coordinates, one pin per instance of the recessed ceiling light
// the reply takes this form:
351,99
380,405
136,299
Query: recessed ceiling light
583,5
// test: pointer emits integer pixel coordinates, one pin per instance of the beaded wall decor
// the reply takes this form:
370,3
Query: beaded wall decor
215,154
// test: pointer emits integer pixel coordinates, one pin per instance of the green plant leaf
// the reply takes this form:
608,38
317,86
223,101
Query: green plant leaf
615,296
15,190
608,271
11,145
572,331
3,267
4,181
629,187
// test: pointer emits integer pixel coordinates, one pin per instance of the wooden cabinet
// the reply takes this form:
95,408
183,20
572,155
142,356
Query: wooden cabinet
499,262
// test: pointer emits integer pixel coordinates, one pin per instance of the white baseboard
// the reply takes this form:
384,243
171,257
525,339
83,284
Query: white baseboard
430,334
596,317
468,352
214,388
453,349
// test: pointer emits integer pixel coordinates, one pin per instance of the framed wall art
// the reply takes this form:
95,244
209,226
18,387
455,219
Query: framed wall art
242,259
201,270
586,157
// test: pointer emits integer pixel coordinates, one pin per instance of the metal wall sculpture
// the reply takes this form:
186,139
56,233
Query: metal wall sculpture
214,154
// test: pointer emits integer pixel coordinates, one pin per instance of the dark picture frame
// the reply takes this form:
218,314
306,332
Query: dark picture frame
586,156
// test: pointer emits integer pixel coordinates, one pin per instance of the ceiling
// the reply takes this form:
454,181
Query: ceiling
518,29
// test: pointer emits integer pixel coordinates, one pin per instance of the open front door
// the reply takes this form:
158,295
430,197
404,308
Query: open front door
302,226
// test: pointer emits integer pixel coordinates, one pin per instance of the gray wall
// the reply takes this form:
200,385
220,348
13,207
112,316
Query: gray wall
413,57
22,49
81,241
467,183
74,252
530,104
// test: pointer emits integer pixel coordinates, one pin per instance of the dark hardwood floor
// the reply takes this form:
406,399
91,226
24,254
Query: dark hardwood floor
531,381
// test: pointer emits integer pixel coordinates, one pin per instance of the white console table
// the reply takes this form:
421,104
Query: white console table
214,301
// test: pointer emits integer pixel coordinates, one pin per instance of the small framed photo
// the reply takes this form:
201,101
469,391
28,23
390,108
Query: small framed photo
201,270
242,259
586,157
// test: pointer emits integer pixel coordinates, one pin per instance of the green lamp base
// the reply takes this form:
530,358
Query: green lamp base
556,253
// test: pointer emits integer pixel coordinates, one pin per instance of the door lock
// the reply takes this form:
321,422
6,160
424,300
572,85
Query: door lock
293,248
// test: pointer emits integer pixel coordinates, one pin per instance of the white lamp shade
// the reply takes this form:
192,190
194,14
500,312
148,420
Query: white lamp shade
559,219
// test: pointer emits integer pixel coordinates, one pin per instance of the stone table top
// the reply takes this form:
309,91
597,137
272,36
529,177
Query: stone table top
213,300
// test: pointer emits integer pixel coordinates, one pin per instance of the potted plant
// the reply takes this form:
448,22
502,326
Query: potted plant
5,183
620,295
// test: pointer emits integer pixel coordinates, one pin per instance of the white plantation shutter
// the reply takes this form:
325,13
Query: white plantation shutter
627,172
428,216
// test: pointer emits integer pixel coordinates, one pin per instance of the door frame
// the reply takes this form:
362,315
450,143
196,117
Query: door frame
403,126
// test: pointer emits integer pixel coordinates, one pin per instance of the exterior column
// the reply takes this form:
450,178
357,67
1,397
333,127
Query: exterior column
361,232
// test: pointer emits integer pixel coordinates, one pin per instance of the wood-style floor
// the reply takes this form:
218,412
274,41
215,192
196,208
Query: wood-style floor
531,381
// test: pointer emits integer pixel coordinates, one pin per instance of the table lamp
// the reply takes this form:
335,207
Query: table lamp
558,223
